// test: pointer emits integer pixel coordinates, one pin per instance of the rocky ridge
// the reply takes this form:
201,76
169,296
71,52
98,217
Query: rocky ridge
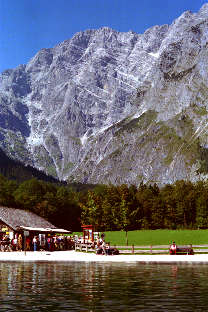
110,107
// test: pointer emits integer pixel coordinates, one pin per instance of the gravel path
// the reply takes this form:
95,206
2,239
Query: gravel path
68,256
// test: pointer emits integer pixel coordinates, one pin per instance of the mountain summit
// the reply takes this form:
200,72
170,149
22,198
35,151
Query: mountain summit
111,107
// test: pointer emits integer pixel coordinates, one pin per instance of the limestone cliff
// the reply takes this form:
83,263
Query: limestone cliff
113,107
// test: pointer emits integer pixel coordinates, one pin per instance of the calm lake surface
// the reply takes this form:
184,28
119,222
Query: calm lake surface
79,286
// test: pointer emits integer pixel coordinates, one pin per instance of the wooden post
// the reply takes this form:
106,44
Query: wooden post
80,247
151,249
190,249
25,244
126,238
132,249
25,234
86,248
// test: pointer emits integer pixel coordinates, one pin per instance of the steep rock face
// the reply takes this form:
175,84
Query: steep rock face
113,107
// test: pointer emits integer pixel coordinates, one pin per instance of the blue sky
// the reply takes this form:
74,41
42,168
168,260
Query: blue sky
26,26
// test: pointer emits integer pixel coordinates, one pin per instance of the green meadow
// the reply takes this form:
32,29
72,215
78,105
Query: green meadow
157,237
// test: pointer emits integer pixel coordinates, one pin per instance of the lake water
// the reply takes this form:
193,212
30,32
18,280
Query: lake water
79,286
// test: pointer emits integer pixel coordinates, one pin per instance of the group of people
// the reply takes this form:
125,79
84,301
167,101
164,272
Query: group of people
99,244
49,243
14,244
102,247
36,242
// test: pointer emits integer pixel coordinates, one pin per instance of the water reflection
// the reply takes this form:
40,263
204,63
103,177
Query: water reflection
102,287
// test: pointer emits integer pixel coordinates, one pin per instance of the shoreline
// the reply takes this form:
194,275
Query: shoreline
73,256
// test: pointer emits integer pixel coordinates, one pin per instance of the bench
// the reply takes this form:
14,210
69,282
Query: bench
108,251
183,250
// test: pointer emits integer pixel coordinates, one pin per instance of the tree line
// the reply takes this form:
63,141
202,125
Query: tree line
182,205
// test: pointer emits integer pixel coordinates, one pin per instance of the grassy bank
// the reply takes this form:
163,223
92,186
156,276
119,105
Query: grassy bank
158,237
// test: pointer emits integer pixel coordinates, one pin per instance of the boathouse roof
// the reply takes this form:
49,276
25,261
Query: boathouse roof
18,218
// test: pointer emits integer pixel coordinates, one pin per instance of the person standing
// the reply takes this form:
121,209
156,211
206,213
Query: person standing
28,243
35,243
19,242
14,243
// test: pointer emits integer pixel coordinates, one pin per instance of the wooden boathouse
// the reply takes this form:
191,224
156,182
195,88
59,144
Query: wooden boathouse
15,221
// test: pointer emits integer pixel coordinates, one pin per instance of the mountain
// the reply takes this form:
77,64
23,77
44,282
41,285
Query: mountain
110,107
